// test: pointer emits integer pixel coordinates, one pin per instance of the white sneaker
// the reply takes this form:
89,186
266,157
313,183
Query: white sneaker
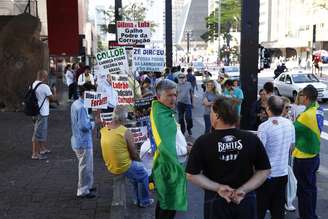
290,208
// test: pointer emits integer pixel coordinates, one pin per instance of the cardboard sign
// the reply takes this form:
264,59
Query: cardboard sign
95,100
113,61
142,108
121,84
148,59
139,134
106,118
133,32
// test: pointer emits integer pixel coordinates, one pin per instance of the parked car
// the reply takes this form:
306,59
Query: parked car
231,71
199,68
290,83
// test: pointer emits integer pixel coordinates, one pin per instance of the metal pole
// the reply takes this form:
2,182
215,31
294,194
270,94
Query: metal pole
219,30
249,59
118,14
168,32
188,46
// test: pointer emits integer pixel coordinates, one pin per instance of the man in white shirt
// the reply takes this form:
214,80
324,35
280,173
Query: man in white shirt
86,77
277,135
43,94
69,76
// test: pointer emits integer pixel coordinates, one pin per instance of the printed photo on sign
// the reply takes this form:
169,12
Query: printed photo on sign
142,108
106,118
229,147
95,100
121,84
112,61
133,32
148,60
139,134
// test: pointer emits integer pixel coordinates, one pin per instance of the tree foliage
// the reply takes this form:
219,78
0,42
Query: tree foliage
230,16
131,12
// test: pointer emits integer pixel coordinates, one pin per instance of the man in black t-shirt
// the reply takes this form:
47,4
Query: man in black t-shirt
229,164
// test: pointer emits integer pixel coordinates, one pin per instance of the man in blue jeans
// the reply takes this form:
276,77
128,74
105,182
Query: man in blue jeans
229,164
185,96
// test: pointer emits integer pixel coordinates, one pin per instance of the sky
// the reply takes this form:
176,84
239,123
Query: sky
155,13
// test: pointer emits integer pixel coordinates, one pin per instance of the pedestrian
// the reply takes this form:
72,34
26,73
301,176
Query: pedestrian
167,173
268,90
145,89
121,157
69,75
286,113
168,74
86,77
40,133
81,142
229,164
192,79
297,107
205,77
259,109
209,96
184,97
278,136
308,127
235,93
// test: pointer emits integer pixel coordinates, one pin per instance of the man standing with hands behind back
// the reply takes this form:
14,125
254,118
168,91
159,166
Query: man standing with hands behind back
229,164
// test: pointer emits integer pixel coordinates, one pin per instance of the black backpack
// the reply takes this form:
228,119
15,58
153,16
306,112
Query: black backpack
31,107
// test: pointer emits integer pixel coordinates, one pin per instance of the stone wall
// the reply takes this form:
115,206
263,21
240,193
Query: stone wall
22,54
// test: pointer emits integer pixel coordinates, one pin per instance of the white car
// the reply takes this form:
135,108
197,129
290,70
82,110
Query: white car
231,71
290,83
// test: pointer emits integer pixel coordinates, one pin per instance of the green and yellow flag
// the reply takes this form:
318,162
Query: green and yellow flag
308,127
168,174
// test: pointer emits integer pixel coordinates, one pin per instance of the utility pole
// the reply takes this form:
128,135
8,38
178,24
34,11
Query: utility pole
188,46
249,59
118,14
168,32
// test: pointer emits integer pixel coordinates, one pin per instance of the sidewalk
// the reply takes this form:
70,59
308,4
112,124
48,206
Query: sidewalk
47,189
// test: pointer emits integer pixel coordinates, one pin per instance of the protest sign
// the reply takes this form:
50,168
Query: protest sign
140,134
106,118
95,100
142,108
133,32
121,84
113,61
148,59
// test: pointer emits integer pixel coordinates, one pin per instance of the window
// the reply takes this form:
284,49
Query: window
288,80
282,78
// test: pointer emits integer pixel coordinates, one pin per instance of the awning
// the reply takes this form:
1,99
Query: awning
287,43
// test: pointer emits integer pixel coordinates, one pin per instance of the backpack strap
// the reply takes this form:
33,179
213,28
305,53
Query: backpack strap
35,90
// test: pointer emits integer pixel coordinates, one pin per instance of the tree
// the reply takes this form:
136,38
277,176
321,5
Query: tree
230,17
131,12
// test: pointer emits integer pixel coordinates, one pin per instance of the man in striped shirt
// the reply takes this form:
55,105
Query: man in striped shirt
277,135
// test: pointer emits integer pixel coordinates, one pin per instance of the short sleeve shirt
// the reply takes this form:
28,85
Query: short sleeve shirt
184,92
228,157
42,93
210,98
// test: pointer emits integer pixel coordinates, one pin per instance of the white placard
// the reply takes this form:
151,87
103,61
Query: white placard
112,61
133,32
95,100
148,60
121,84
139,134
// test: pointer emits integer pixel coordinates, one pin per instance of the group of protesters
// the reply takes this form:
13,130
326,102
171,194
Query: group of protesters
243,174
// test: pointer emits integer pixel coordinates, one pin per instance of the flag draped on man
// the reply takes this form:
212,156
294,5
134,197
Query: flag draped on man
168,173
308,129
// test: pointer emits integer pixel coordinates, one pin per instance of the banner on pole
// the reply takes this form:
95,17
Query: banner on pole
133,32
140,134
113,61
95,100
148,60
121,84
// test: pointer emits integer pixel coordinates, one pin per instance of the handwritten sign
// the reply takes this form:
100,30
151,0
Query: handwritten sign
95,100
112,61
140,134
121,84
148,60
133,32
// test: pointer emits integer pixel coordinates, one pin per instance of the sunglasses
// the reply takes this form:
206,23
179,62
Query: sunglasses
182,77
288,107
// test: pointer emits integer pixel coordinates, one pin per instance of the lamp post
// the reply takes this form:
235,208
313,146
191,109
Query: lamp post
168,32
219,29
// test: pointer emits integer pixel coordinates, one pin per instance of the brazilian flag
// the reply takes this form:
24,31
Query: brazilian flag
308,127
168,174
